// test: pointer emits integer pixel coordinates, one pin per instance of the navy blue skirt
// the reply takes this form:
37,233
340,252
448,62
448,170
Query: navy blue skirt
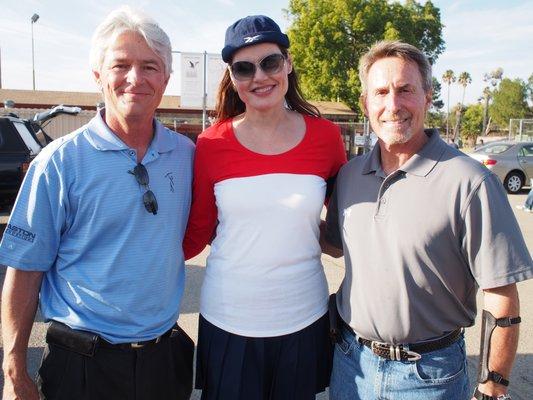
289,367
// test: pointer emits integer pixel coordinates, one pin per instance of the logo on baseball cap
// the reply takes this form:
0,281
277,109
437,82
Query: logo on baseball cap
251,30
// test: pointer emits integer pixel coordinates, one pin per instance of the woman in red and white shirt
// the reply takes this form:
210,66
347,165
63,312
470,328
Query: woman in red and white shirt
261,176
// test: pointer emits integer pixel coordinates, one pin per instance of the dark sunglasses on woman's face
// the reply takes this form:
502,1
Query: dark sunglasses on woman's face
270,65
149,200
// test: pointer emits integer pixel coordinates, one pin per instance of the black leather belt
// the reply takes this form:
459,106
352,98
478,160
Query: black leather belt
409,352
135,345
86,343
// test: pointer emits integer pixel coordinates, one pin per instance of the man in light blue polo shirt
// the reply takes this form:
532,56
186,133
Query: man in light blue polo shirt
96,234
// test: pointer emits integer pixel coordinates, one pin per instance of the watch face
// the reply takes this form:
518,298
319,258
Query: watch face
503,397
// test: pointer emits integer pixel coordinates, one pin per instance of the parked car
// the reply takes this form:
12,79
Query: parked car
511,161
20,141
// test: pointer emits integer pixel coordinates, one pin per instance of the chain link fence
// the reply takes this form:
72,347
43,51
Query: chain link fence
357,137
521,130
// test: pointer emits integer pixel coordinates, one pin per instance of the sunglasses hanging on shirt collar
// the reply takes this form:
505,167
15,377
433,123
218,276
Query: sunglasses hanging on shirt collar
149,200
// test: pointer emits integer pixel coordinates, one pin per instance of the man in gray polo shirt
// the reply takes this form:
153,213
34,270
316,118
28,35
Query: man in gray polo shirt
422,227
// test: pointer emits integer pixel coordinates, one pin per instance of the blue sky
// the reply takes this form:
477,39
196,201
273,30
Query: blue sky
480,36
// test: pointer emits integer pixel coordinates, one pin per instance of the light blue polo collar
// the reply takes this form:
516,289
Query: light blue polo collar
102,138
420,164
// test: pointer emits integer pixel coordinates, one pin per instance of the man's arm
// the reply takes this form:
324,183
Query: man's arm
501,302
330,233
328,248
20,296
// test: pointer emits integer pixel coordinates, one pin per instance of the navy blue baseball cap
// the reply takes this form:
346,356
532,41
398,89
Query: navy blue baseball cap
251,30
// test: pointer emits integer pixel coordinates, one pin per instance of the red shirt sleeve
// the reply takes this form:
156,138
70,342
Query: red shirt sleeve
338,151
203,214
338,157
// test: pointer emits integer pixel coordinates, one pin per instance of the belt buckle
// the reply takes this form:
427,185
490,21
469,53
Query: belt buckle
376,346
395,351
140,345
412,356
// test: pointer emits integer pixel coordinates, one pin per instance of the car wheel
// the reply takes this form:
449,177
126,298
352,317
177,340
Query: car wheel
513,182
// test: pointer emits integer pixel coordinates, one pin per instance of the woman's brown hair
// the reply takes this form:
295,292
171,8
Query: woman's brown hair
230,105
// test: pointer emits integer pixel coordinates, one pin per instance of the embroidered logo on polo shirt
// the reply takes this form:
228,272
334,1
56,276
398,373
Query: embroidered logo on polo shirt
20,233
170,177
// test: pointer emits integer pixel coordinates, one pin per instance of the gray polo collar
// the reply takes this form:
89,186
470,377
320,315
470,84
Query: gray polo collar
420,164
102,138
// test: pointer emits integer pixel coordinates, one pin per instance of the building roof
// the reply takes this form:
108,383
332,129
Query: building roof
47,98
87,100
333,108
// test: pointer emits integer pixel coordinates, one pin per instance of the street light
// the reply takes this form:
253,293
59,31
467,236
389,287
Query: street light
34,19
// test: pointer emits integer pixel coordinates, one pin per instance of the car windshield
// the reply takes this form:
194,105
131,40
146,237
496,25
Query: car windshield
495,148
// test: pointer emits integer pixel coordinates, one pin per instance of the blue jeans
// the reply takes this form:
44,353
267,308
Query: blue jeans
359,374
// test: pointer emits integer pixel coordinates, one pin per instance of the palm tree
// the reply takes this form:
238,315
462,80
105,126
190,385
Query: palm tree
448,78
464,80
486,96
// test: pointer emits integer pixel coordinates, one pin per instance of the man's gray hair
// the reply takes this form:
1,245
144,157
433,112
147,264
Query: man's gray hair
405,51
127,19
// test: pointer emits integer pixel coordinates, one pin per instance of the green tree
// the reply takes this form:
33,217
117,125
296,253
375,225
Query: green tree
436,102
509,101
434,117
472,124
329,36
530,87
448,78
492,78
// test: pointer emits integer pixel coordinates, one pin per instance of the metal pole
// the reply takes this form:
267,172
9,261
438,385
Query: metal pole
485,106
448,116
34,18
366,132
32,56
204,97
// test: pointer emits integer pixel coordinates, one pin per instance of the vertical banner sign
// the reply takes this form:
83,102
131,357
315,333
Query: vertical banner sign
192,79
215,70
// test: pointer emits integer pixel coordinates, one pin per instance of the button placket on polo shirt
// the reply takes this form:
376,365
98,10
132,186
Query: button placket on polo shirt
381,207
384,196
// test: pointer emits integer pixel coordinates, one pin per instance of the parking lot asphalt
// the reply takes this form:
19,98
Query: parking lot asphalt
522,376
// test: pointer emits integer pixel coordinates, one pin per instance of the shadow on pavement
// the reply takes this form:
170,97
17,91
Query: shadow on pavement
521,387
191,297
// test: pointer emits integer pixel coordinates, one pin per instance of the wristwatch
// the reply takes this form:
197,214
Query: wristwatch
482,396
